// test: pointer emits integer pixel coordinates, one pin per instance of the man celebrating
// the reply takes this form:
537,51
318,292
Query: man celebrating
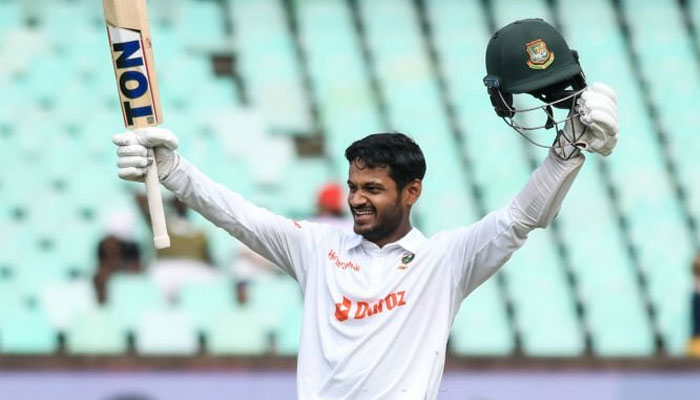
379,303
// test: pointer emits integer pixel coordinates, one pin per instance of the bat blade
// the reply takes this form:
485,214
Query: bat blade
134,69
132,58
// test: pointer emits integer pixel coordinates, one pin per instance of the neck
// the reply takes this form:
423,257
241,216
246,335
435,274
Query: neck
396,235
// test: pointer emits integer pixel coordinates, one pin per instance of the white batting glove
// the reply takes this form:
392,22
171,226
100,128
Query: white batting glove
132,150
596,128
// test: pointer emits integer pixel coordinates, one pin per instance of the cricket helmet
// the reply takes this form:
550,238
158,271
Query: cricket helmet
531,56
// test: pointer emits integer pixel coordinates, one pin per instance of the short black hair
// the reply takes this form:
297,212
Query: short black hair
394,150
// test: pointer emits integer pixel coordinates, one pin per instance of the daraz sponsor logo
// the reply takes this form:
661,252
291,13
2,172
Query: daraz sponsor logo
363,309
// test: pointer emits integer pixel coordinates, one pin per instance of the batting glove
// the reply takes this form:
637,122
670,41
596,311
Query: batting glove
596,127
134,156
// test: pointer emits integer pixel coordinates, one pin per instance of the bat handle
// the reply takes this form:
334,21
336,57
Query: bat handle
155,205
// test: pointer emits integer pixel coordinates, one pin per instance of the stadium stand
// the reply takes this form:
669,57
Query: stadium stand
610,279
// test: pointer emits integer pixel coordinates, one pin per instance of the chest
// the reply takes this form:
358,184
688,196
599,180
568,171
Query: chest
381,278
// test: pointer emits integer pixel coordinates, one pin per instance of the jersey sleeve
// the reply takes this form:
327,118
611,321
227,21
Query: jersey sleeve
286,243
481,249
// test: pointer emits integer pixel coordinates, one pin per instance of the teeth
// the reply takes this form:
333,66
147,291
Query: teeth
364,212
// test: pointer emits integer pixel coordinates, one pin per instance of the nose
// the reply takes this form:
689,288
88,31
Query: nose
356,200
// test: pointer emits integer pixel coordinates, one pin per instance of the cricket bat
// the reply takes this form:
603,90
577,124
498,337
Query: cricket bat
132,58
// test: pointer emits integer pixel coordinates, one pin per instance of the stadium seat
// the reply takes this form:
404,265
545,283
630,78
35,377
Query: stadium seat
544,305
303,179
166,332
289,333
129,296
481,326
95,332
273,298
203,301
11,298
268,64
238,332
11,17
348,109
63,301
27,330
638,163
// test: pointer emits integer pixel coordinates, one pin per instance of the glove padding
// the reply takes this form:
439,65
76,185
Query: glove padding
133,152
596,127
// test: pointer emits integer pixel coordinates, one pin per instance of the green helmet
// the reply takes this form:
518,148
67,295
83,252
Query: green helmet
528,55
531,56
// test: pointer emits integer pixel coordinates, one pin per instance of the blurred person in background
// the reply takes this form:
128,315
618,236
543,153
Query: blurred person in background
187,259
694,343
118,251
329,207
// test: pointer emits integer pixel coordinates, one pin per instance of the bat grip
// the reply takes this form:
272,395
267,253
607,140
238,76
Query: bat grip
155,205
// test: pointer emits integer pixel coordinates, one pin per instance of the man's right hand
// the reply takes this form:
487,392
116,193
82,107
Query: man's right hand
132,150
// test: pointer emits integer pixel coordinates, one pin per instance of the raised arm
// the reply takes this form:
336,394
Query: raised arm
486,245
278,239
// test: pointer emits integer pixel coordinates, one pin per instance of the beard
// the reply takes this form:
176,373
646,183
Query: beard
384,225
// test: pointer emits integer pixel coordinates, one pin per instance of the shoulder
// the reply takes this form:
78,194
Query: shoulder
329,233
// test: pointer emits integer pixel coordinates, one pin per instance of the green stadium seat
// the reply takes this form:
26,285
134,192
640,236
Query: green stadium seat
95,332
11,298
238,332
27,331
11,17
201,23
507,11
544,306
268,64
481,326
273,298
302,181
166,332
129,296
63,301
289,333
616,318
413,102
203,301
347,107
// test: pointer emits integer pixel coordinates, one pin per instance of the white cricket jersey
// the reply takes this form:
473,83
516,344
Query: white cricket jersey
376,320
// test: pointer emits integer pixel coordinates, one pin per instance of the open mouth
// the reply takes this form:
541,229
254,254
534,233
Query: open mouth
362,215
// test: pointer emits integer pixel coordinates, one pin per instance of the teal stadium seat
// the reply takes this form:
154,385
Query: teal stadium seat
544,306
268,64
27,330
348,110
11,298
404,71
130,296
95,331
303,180
166,332
204,301
638,164
289,333
481,326
273,298
238,332
63,301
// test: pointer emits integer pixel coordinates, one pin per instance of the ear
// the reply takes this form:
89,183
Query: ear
412,191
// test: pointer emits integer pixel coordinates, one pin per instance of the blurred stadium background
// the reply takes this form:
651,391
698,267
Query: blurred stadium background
265,95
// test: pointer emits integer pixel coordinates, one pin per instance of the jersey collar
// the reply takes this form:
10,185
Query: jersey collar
410,242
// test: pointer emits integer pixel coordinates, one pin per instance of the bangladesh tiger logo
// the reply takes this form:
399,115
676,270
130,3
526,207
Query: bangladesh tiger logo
539,54
405,259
